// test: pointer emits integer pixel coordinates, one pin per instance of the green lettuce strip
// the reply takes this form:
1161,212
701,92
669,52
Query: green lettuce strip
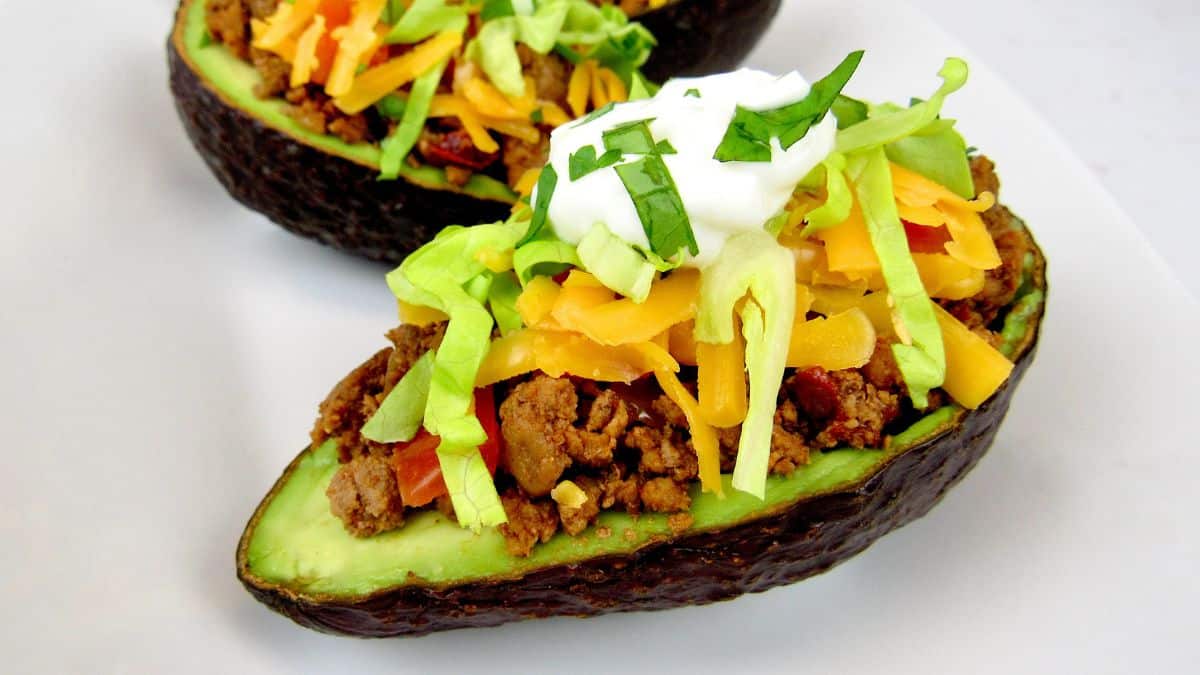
543,257
888,127
920,355
425,18
495,47
437,275
754,263
398,418
400,142
502,300
839,202
938,153
616,263
605,32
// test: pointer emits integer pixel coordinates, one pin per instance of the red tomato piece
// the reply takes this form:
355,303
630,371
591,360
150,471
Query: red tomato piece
923,239
485,410
418,471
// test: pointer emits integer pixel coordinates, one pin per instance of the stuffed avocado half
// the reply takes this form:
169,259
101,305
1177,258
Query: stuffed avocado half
371,124
737,331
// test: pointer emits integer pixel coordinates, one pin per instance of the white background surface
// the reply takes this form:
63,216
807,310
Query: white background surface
1120,81
162,352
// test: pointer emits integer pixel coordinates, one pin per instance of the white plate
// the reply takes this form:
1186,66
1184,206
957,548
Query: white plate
163,351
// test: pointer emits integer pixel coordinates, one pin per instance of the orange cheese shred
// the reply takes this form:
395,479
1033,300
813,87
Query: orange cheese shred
946,277
451,105
599,94
974,369
419,315
682,344
552,114
844,340
704,439
536,302
357,40
306,52
721,382
287,21
614,87
848,247
671,301
377,82
579,86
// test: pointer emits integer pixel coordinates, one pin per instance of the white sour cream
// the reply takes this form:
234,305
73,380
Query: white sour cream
721,198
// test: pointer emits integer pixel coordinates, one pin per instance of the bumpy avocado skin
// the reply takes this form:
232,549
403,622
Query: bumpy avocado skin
700,37
808,538
311,193
341,203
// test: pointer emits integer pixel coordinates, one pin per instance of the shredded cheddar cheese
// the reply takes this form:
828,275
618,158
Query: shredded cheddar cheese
356,40
375,83
287,21
306,52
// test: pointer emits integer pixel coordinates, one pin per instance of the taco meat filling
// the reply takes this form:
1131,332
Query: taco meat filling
627,447
472,128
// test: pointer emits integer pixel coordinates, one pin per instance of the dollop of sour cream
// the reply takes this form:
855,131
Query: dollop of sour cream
721,198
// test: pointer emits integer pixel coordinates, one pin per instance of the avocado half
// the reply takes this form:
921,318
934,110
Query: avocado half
432,575
320,187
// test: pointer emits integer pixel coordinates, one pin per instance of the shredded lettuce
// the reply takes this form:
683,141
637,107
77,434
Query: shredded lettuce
838,202
495,48
545,257
938,153
400,142
640,88
398,418
425,18
754,263
616,263
606,32
889,127
435,276
920,354
502,300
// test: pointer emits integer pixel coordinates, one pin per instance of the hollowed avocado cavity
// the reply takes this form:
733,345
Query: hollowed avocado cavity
235,80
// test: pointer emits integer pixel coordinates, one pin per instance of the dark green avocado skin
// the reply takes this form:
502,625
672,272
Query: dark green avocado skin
342,204
309,192
700,37
807,539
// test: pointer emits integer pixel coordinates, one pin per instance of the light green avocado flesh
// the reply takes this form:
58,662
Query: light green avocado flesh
235,79
299,545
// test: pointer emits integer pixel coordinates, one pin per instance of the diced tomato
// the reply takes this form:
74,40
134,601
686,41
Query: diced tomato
336,13
418,471
485,410
923,239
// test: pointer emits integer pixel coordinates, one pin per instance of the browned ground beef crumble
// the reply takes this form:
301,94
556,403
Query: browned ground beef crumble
627,446
443,143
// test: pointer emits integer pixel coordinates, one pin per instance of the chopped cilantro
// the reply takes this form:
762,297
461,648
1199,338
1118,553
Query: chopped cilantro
659,206
541,207
693,92
597,113
748,138
585,161
537,117
632,137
